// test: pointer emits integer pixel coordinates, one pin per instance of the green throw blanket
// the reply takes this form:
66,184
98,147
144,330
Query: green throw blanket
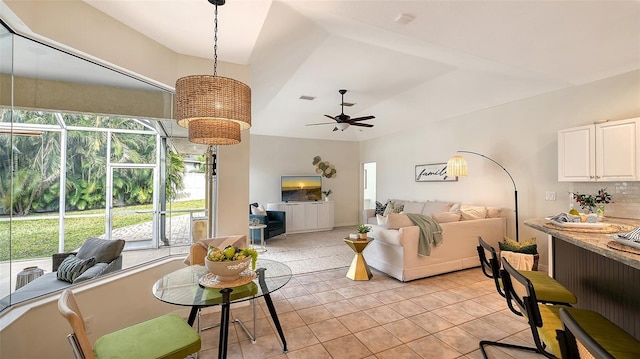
430,232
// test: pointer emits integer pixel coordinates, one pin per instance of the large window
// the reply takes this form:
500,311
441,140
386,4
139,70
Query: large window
84,153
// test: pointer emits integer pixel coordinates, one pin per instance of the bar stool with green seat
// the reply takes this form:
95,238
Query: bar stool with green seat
548,290
167,336
594,336
543,319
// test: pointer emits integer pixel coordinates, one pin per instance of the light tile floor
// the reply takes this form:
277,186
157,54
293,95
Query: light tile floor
326,315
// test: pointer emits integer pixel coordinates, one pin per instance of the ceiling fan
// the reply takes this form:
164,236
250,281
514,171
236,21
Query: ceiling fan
342,121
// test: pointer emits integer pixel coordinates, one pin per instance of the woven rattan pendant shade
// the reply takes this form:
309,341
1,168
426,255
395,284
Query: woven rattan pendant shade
208,97
214,132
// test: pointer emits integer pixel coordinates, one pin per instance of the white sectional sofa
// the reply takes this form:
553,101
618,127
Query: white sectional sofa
394,249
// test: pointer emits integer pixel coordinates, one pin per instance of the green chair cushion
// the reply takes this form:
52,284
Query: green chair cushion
167,336
611,337
548,289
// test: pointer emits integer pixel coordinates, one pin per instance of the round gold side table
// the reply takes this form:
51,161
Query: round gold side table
359,270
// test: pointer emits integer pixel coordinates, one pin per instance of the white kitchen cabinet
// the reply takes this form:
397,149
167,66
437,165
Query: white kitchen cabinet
306,216
608,151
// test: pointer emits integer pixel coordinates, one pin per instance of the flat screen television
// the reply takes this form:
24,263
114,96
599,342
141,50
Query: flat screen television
301,188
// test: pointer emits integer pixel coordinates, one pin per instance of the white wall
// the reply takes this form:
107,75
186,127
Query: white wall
272,157
522,136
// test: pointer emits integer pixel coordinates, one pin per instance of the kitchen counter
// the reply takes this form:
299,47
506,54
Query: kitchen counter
594,242
603,279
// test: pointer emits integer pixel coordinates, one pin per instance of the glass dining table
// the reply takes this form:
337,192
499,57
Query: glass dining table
183,287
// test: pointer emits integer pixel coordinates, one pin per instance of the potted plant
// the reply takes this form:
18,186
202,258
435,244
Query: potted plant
593,203
363,229
326,194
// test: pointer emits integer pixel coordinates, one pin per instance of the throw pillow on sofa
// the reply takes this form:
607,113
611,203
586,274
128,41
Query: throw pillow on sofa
393,208
380,208
473,212
431,207
397,221
72,267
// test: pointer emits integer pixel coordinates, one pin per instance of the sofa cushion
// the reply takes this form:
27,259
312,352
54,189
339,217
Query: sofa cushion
380,208
381,220
431,207
72,267
413,207
493,212
473,212
104,250
397,221
445,217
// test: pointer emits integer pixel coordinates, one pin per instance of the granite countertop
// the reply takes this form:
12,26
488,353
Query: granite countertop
594,242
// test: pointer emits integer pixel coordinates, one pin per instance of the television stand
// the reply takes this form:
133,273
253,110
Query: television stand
310,216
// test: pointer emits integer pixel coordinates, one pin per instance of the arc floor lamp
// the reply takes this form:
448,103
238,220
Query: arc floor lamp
457,166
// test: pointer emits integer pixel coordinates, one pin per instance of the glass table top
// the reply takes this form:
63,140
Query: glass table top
182,287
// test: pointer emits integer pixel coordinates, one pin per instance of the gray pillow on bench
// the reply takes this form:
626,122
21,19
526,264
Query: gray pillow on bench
104,250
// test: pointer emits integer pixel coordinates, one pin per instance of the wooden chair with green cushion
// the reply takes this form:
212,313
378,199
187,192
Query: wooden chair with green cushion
167,336
548,290
594,336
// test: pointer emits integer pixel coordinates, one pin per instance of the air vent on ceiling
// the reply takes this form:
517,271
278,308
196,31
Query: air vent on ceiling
308,98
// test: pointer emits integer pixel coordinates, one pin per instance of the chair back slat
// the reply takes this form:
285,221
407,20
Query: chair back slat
68,307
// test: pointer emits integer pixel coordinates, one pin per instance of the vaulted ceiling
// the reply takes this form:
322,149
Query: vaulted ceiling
448,59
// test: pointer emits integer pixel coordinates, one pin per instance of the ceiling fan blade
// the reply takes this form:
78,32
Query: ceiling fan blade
331,117
322,123
363,118
361,124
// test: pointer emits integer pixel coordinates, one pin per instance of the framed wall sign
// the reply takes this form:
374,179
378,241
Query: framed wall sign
433,172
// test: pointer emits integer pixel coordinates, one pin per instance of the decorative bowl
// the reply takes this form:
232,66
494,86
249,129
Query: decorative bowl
227,270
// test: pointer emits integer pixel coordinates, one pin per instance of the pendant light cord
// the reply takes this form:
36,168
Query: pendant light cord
215,42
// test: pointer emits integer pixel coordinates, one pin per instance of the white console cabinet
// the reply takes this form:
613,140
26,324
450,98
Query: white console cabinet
608,151
306,216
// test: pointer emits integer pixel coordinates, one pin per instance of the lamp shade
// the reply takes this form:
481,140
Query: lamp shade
210,97
214,132
456,166
342,126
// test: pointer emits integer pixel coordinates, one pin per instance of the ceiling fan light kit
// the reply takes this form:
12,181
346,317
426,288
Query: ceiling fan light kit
211,104
342,121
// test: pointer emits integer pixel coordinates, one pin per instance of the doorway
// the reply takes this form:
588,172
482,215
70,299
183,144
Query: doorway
369,185
138,180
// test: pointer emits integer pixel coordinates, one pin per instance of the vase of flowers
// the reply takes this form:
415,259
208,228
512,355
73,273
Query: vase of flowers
593,203
327,193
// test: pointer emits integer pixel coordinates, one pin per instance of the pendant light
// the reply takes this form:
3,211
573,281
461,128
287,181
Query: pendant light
214,108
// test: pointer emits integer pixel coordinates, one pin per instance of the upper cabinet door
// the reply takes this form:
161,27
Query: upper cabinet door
603,152
617,157
576,156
